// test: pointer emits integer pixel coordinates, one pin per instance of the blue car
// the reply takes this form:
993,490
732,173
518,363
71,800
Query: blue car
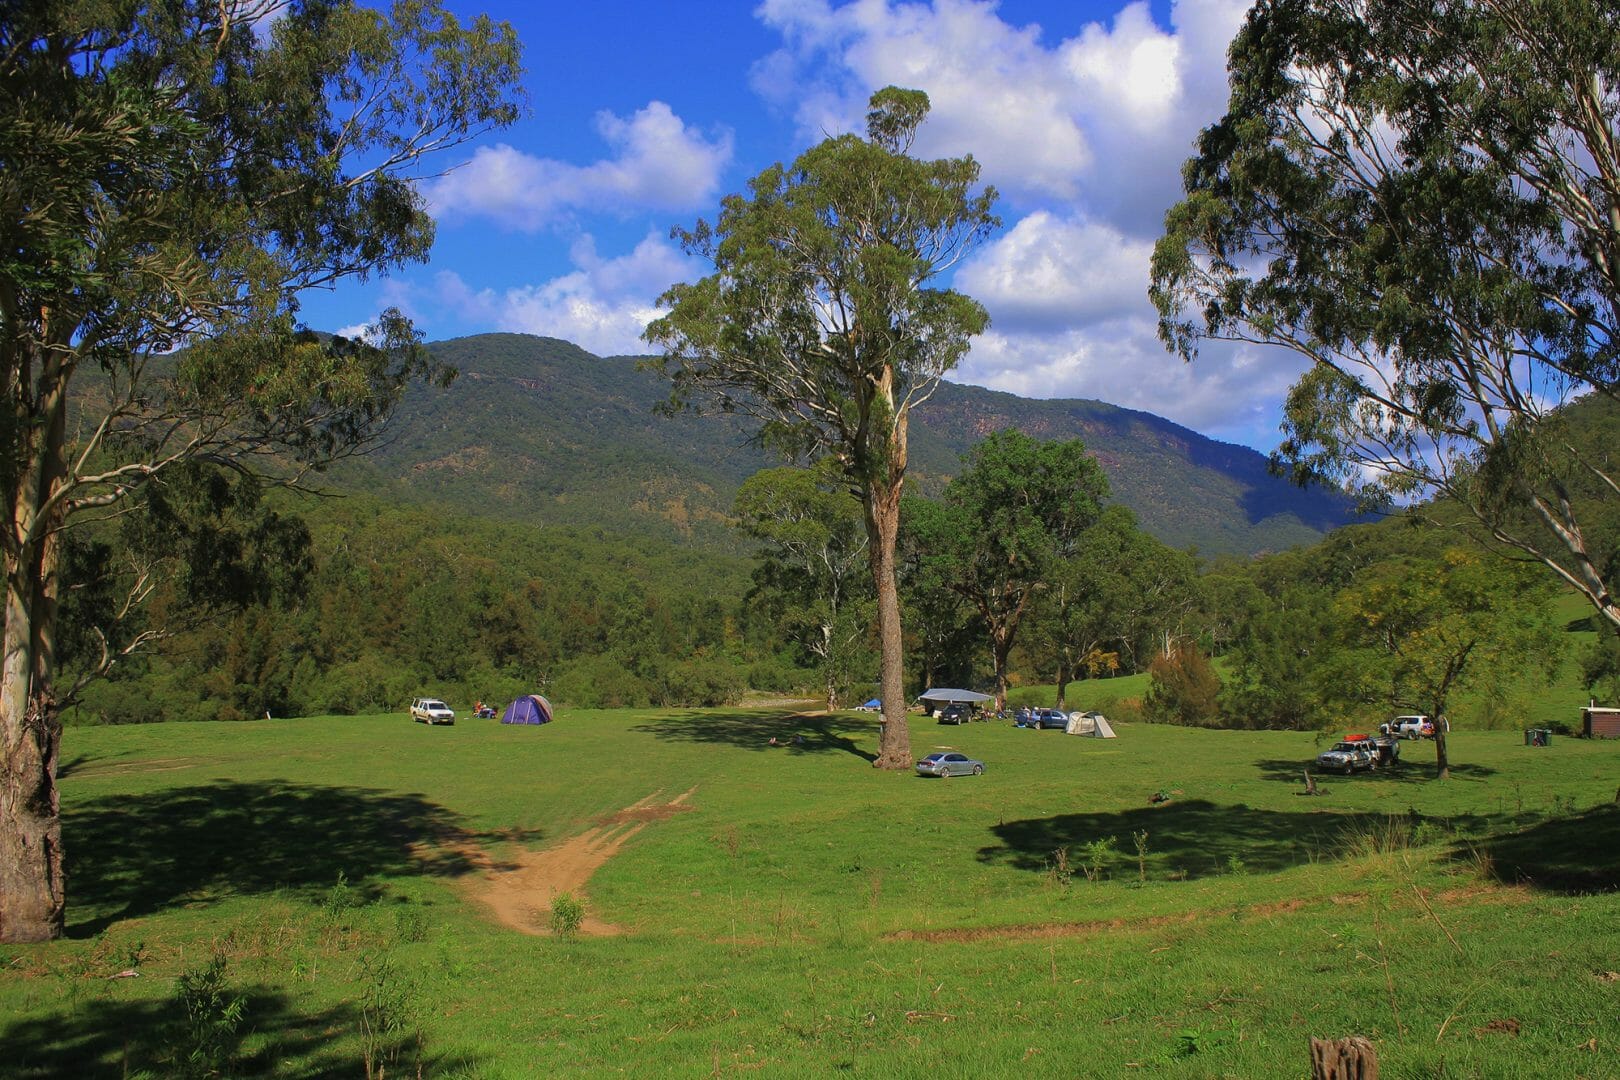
1041,719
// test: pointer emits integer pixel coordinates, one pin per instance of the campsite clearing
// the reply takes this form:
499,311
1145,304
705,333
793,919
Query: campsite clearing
788,915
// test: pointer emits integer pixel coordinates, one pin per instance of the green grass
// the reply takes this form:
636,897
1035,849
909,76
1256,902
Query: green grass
813,917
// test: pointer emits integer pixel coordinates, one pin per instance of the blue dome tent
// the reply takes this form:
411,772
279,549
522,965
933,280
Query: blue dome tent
528,709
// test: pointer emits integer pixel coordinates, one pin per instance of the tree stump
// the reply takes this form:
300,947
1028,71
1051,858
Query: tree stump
1351,1058
1310,783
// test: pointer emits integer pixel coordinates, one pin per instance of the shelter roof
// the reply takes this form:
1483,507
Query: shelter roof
946,693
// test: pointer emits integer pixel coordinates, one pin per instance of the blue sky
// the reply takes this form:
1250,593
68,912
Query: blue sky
644,115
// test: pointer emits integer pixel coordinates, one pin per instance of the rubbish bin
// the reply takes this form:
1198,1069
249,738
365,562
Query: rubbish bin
1538,736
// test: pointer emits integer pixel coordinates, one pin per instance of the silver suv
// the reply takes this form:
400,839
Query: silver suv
1348,756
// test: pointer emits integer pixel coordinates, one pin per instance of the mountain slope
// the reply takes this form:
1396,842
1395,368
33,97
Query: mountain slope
538,430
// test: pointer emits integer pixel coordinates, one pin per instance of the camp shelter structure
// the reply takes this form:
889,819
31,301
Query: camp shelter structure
934,698
946,695
1094,724
528,709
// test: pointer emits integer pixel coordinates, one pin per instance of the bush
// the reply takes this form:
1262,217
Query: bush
207,1016
599,682
567,915
1184,689
705,681
773,675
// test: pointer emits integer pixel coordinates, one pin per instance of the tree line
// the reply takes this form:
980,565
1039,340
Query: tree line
383,603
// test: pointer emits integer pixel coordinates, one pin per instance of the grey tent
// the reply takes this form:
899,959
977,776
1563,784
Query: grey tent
1094,724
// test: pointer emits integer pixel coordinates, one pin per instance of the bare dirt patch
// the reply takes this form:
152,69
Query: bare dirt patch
519,890
145,765
1106,926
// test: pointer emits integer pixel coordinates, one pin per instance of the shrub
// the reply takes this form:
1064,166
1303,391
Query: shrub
705,681
207,1018
1184,689
599,682
567,914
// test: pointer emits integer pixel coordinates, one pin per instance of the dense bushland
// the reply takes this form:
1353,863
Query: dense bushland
398,602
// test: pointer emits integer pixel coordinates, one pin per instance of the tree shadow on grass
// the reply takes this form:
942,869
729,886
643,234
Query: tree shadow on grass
133,855
117,1039
1292,771
798,733
1195,838
1574,854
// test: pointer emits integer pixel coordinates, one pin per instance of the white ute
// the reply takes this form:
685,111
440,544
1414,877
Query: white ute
432,711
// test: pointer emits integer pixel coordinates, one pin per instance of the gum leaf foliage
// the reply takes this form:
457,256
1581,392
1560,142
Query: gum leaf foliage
1423,200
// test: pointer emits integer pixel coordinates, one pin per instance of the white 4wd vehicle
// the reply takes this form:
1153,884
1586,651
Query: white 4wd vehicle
1348,756
1409,727
432,711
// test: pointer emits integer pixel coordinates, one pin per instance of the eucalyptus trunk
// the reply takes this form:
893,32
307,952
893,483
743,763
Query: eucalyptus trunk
1001,643
883,523
829,669
1064,670
32,887
33,897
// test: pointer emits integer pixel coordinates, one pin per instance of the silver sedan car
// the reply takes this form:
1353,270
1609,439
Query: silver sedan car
949,765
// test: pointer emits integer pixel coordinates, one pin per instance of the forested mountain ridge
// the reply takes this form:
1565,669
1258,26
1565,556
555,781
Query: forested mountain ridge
538,430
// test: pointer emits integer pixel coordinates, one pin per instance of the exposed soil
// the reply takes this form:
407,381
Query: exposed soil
145,765
1101,926
519,889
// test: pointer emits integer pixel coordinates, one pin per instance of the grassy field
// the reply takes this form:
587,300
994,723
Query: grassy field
799,914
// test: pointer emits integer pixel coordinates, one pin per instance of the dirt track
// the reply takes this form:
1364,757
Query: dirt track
519,890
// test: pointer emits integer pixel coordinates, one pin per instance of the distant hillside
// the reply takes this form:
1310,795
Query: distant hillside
538,430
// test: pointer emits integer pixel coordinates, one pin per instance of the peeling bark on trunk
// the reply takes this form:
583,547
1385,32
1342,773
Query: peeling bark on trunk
33,890
831,685
1001,642
883,522
33,897
883,469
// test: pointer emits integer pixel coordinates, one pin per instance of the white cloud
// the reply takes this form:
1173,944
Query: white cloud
1050,272
1104,116
602,305
994,90
659,163
1229,392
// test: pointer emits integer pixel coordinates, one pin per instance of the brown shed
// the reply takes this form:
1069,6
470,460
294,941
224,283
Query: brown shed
1598,723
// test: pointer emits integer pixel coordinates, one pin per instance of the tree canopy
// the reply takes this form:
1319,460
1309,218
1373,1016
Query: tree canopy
1016,511
1423,200
1413,632
815,545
